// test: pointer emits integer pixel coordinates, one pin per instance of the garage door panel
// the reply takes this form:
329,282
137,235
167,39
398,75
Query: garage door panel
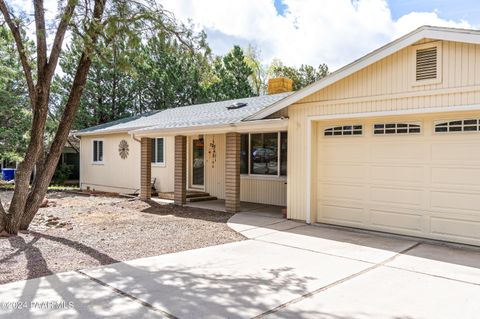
397,196
342,191
343,152
456,228
398,174
343,214
456,176
455,201
456,152
396,220
345,172
422,185
391,151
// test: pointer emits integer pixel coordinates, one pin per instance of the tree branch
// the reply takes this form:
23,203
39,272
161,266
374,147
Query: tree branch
41,38
27,69
59,37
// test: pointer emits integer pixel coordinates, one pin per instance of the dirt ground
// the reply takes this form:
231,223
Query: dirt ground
78,231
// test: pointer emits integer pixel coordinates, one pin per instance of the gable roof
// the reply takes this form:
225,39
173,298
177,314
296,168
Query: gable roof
424,32
198,115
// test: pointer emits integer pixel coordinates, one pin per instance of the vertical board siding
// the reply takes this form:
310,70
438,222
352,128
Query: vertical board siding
383,86
263,191
215,165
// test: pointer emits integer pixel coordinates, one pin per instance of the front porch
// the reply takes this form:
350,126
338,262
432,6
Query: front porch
245,171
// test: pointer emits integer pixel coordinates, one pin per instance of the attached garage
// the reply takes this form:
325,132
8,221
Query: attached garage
391,141
417,175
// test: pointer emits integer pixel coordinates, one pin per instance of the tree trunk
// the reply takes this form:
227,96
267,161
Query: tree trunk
25,169
40,187
20,214
5,222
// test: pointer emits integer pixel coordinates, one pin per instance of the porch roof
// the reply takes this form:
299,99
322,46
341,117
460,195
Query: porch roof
193,116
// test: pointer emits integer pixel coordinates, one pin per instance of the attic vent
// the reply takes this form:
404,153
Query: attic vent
426,64
236,105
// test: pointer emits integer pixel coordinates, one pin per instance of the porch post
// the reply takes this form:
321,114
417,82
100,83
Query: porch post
232,173
180,188
145,168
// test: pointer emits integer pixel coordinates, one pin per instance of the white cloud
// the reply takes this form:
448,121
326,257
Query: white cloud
310,31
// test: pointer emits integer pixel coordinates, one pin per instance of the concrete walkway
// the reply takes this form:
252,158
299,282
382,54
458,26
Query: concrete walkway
284,269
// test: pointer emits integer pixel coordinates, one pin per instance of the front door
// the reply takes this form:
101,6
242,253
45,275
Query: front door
197,163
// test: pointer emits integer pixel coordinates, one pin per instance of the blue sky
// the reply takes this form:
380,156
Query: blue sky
468,10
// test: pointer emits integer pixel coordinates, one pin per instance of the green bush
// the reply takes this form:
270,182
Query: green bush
61,174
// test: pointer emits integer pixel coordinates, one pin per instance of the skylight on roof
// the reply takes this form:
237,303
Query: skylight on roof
236,105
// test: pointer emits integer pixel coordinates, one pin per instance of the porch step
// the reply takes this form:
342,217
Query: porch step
200,198
190,195
193,194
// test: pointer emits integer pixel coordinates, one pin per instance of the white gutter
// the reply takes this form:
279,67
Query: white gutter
240,127
108,132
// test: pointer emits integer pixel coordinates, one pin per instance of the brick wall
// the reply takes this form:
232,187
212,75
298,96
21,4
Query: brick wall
232,173
180,193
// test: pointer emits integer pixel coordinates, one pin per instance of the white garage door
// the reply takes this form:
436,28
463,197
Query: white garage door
414,176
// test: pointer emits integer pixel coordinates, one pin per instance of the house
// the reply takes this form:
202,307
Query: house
390,142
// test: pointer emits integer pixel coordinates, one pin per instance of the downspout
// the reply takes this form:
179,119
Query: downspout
134,138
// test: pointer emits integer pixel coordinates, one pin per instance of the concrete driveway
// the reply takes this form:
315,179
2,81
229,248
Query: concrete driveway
284,270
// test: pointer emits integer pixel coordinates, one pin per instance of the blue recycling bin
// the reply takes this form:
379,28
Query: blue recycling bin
8,174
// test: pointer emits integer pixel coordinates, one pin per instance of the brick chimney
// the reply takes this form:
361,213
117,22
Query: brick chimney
279,85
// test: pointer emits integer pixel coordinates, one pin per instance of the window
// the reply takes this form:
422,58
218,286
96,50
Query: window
244,154
466,125
97,151
344,130
158,151
264,154
283,153
396,128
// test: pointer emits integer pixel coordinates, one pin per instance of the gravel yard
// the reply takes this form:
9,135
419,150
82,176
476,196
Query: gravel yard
78,231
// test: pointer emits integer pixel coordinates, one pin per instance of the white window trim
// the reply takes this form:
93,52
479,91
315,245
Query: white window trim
438,79
397,134
455,132
342,135
102,162
160,164
249,175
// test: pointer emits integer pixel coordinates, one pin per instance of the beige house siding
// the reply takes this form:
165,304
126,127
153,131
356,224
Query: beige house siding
215,165
165,174
263,191
122,175
114,174
387,85
252,189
